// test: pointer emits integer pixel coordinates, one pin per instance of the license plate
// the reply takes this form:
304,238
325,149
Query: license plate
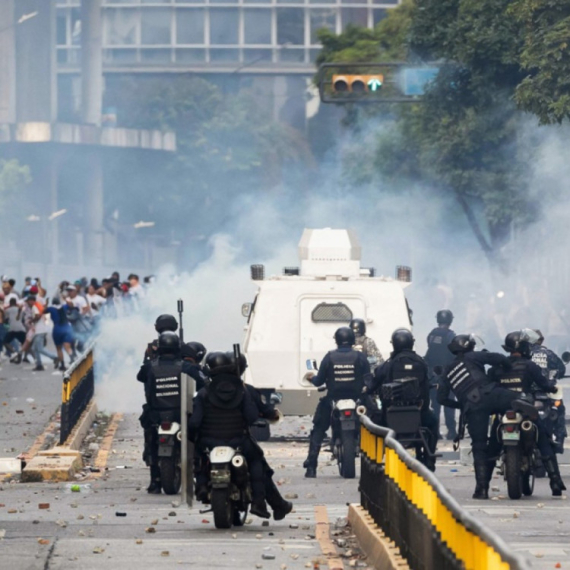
165,450
511,436
351,424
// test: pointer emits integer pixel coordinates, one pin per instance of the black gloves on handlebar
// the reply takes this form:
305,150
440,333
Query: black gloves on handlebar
552,388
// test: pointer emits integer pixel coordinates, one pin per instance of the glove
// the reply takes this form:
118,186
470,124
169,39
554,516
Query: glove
552,388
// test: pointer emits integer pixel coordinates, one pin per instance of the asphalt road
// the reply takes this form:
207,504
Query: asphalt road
82,530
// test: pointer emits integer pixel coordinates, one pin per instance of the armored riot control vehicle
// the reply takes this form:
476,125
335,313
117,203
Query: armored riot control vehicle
292,319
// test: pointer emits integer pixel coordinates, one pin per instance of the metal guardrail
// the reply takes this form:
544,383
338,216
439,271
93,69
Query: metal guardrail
412,507
77,391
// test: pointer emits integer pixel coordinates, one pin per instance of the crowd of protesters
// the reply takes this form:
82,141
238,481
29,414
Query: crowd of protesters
70,316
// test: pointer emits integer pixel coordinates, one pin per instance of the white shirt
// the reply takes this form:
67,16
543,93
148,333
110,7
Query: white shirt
137,291
79,302
95,301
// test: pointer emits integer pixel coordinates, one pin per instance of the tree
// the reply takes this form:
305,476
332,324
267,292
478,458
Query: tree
545,91
464,137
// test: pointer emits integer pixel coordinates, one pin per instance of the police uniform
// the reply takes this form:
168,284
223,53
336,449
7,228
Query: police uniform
407,365
553,368
222,413
524,377
479,398
439,355
344,371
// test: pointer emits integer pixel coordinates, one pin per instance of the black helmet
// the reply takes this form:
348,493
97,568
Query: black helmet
444,317
242,361
461,343
166,323
187,351
402,339
517,341
218,362
344,336
199,349
168,343
358,326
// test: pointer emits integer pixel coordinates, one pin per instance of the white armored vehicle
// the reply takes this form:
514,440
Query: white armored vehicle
293,317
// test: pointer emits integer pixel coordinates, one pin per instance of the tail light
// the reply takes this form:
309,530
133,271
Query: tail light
348,413
510,429
511,415
163,440
166,425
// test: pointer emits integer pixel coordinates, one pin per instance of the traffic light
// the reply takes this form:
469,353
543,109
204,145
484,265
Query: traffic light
357,83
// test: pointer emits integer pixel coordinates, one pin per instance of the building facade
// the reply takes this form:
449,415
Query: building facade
223,36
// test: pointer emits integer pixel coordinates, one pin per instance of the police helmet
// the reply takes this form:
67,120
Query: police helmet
461,343
533,335
344,336
199,349
166,323
187,351
402,339
218,362
358,326
444,317
168,343
517,341
242,361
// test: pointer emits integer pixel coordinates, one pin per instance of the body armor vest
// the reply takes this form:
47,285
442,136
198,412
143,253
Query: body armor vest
165,384
462,381
408,371
222,423
514,379
347,381
438,354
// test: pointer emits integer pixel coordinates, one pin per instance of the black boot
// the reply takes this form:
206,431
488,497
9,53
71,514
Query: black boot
481,479
556,483
259,508
155,487
310,464
281,508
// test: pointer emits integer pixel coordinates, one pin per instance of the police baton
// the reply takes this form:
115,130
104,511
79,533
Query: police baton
180,311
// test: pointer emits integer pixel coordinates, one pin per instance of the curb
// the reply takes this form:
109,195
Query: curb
63,462
381,552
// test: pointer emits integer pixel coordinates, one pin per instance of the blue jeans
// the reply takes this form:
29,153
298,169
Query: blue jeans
38,348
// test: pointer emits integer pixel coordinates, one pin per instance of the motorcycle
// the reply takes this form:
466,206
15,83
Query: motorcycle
229,486
548,406
520,458
169,454
346,435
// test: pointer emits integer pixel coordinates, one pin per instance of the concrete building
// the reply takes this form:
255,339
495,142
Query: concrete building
268,44
60,237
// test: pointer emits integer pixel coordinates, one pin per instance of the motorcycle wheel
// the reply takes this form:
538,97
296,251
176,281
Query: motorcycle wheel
528,483
222,508
170,474
513,472
347,455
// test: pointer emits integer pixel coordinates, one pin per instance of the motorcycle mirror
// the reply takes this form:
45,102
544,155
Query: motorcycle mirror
311,364
566,357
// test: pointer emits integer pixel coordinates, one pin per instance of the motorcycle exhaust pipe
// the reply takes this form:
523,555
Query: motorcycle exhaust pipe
240,469
527,425
238,461
361,410
179,436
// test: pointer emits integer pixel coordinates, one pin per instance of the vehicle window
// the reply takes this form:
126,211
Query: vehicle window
331,313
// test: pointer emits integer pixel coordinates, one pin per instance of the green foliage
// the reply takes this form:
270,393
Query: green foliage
545,91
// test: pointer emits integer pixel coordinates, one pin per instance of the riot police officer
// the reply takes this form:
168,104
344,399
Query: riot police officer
162,324
478,397
553,368
191,364
267,411
524,377
364,343
222,412
344,371
438,357
161,379
405,364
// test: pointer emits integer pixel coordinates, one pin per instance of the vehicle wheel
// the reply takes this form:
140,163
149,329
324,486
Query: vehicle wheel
528,483
347,455
170,474
239,517
222,508
513,472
